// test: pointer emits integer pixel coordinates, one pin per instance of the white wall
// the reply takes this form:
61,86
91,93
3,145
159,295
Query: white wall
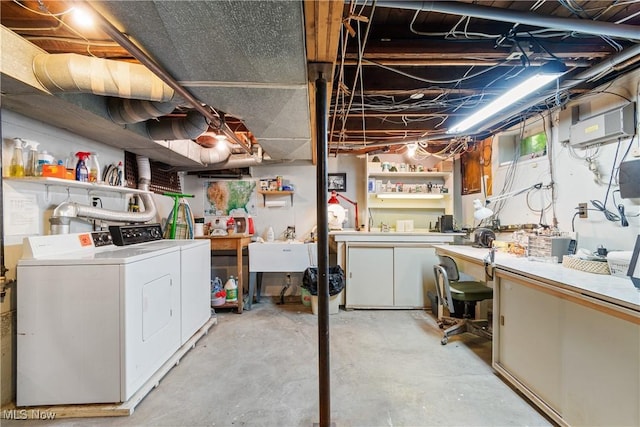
574,182
301,214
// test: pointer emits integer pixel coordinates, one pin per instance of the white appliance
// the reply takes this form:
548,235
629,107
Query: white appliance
195,279
96,321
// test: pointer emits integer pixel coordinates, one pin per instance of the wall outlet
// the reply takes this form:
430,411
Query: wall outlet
582,210
635,152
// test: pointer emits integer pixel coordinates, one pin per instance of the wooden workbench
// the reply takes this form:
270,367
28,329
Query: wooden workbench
232,242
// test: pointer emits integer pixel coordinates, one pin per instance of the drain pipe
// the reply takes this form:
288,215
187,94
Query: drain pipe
148,62
584,26
63,213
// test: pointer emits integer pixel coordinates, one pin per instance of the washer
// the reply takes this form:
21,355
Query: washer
95,321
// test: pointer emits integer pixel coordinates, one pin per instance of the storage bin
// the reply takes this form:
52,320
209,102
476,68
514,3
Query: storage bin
334,303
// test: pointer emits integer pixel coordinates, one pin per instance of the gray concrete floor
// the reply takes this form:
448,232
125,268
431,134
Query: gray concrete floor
388,369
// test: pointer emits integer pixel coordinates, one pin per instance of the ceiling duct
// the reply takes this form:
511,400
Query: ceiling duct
68,72
191,126
125,111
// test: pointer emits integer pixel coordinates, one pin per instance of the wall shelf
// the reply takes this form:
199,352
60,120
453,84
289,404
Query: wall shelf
91,187
409,174
414,196
266,193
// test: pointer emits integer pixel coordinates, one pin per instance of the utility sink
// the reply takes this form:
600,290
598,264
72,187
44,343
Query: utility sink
282,256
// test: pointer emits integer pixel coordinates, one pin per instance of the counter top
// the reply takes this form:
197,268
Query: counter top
391,236
613,289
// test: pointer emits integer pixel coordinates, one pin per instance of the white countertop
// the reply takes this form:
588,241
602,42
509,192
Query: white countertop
617,290
391,236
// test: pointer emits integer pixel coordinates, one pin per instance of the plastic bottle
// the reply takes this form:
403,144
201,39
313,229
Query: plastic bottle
44,158
31,167
82,173
122,181
16,168
270,235
231,288
95,174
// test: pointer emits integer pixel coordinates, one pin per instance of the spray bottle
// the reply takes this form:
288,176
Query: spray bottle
31,168
16,169
82,173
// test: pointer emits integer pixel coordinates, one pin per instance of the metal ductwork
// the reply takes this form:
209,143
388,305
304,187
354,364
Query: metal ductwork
584,26
125,111
170,128
66,210
220,157
68,72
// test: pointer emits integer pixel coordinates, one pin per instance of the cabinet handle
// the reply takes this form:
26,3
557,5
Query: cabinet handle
350,275
501,320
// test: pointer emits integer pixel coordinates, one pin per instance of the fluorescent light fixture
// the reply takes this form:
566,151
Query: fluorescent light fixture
409,196
546,74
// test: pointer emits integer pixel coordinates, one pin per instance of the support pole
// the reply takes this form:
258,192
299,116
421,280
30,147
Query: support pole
324,370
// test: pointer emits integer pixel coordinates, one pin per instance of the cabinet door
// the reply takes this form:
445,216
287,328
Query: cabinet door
601,368
369,277
528,338
413,276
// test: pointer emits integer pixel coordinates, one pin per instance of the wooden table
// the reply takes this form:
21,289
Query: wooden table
232,242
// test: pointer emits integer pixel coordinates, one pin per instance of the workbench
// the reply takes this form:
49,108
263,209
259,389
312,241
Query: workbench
567,339
235,242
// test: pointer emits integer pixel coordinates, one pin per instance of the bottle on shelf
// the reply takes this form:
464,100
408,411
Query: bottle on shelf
231,288
16,168
82,173
95,174
31,167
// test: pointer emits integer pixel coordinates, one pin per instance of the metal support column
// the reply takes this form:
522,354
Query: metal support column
324,370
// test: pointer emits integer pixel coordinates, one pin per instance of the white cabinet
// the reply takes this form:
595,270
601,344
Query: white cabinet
393,276
529,338
576,357
600,368
369,282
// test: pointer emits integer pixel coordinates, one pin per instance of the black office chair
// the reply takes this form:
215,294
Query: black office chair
449,287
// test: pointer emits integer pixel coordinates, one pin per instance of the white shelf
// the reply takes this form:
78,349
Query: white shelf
91,187
410,174
414,196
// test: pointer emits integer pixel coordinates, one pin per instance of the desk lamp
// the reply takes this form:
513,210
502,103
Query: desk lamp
483,212
335,210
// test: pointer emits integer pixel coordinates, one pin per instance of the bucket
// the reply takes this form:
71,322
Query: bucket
306,297
334,303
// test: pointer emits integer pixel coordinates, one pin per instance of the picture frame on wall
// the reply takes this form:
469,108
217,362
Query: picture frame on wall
337,182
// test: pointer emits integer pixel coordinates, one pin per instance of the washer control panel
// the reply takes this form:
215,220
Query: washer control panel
101,238
131,234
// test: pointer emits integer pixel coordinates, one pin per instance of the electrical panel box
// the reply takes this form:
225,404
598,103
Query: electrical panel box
605,127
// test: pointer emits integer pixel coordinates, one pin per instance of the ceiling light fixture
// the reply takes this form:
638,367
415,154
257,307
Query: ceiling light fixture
417,95
546,74
82,17
411,149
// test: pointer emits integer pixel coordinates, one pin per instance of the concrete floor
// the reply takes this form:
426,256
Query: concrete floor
388,369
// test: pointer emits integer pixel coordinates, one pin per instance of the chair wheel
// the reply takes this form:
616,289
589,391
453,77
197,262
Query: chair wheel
444,340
